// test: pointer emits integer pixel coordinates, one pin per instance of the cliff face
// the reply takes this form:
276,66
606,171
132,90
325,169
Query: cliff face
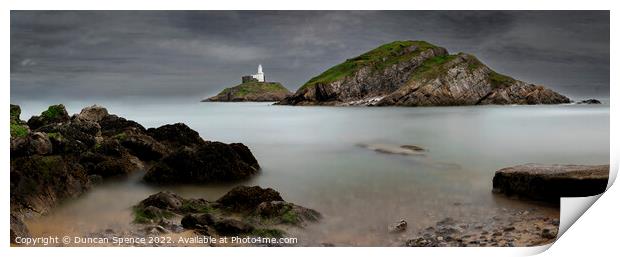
252,92
416,73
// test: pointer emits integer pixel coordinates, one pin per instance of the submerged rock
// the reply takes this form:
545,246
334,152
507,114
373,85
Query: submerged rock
589,101
394,149
550,182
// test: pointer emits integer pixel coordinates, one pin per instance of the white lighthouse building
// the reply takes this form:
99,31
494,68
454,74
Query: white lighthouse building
260,76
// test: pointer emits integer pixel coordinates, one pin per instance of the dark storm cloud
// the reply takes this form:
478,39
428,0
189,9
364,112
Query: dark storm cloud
63,55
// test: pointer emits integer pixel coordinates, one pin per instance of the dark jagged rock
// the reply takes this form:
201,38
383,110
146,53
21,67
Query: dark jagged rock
252,92
589,101
248,198
71,138
550,182
112,125
209,162
53,114
33,143
416,73
176,135
111,167
142,145
39,182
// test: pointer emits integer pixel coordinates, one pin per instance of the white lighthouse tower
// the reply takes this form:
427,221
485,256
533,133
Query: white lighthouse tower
260,76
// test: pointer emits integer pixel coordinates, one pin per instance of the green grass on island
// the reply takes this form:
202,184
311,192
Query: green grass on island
248,88
378,58
434,67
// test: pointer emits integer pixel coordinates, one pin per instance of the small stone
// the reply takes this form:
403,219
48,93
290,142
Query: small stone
548,233
398,226
510,228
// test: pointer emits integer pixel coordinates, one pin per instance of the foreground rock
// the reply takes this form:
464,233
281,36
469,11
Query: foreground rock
208,162
508,228
55,156
244,211
253,91
550,182
416,73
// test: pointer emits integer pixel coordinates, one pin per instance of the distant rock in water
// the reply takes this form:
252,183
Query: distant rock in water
394,149
589,101
417,73
550,182
252,91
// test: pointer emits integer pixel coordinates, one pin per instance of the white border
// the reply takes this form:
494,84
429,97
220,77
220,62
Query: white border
594,233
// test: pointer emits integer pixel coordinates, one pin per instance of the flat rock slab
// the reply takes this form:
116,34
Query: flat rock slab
550,182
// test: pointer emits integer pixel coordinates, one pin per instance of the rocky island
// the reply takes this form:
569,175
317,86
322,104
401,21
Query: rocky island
252,92
253,88
417,73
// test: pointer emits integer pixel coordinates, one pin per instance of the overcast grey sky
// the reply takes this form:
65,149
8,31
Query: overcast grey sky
124,55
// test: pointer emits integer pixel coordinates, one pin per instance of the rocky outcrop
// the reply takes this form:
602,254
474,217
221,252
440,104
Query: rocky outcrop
244,211
56,157
550,182
252,92
589,101
416,73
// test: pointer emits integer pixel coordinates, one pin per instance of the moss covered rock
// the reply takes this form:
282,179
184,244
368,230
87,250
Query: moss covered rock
53,114
243,211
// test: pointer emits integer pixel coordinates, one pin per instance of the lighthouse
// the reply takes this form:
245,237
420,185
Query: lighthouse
260,76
